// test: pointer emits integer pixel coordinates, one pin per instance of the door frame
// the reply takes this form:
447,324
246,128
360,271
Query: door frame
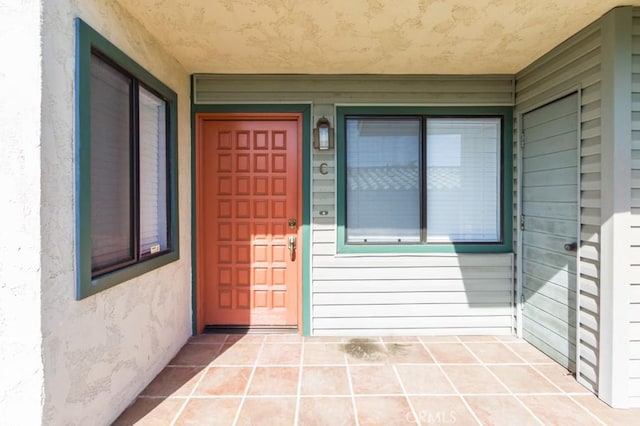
302,114
577,89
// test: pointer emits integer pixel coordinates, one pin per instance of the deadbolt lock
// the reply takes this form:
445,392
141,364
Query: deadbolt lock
293,223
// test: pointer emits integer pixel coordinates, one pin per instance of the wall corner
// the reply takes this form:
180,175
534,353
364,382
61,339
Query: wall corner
616,205
21,277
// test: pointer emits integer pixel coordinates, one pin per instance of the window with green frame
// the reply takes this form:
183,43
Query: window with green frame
424,179
126,176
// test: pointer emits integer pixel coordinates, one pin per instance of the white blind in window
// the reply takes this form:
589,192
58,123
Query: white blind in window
111,220
153,173
383,180
463,179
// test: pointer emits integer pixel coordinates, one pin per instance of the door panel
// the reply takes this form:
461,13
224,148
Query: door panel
249,192
550,209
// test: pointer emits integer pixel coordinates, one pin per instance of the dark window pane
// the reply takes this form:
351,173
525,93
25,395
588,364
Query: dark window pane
153,174
111,225
383,180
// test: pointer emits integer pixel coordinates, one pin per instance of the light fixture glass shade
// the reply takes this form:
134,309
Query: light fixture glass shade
323,135
323,138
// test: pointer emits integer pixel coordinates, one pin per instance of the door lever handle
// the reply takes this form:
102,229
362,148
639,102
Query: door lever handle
292,248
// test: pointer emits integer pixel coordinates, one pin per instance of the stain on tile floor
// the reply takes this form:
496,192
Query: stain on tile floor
364,349
234,380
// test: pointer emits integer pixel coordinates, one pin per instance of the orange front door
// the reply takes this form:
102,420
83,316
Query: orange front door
249,215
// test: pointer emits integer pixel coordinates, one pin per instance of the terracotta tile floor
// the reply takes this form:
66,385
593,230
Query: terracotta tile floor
278,379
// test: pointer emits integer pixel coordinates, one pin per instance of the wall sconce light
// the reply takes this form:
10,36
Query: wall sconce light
323,135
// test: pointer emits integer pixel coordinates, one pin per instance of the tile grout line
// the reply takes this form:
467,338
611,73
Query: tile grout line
368,395
548,379
406,396
503,384
404,391
455,388
466,403
296,419
367,364
588,411
526,361
336,396
532,365
353,396
204,373
188,398
194,394
246,389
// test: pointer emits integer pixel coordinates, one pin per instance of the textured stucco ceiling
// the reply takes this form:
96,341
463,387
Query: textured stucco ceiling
363,36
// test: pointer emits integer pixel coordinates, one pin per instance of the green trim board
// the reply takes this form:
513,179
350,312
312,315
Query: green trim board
194,260
305,109
87,41
505,246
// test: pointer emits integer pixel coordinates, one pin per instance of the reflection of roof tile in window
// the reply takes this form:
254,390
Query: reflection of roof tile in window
443,178
401,178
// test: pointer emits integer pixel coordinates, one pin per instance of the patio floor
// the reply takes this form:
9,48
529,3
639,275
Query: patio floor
281,379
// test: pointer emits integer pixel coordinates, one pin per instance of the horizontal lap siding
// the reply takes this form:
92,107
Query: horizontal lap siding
377,294
550,191
401,294
406,294
449,294
634,332
577,62
326,89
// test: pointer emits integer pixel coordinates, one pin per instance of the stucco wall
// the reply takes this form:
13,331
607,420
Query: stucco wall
100,352
20,346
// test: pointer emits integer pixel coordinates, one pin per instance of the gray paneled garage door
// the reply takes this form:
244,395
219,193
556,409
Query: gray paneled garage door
550,208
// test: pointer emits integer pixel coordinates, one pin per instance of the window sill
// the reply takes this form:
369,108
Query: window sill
103,282
419,249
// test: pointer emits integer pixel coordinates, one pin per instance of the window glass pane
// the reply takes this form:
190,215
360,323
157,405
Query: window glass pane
153,173
111,220
383,180
463,179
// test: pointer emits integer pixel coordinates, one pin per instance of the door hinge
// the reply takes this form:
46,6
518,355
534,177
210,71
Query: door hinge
522,302
522,222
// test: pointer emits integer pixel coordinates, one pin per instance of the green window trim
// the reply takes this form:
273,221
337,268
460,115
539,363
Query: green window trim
505,246
87,42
